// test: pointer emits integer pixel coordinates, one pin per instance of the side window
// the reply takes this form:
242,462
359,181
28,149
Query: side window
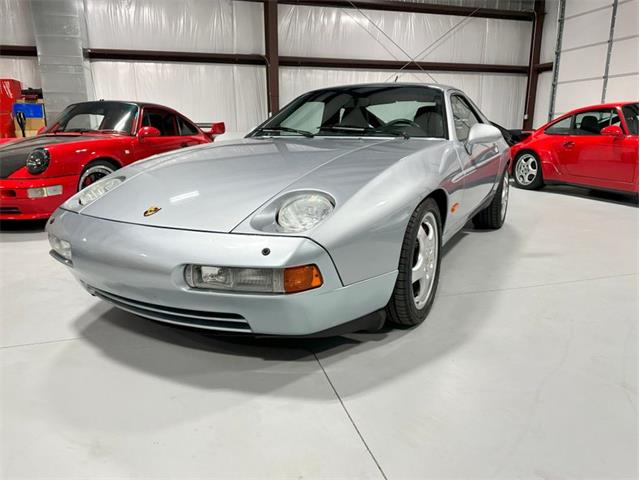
616,119
463,117
161,119
630,113
186,128
591,122
562,127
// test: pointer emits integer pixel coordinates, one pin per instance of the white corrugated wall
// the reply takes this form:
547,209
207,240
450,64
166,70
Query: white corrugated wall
16,28
583,57
347,33
237,94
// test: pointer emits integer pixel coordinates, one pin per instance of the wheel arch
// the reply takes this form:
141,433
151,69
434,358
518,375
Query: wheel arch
112,160
442,200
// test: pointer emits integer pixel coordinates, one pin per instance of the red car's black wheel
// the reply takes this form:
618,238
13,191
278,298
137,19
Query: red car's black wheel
94,172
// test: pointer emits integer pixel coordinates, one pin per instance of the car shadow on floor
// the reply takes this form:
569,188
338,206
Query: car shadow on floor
591,194
213,361
22,230
27,226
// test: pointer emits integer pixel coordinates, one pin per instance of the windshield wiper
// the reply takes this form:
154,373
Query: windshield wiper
78,130
286,129
349,128
110,130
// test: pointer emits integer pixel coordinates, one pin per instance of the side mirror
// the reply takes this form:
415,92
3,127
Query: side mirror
42,129
217,128
145,132
612,131
482,133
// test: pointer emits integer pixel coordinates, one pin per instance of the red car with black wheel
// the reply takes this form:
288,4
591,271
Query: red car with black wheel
87,142
594,147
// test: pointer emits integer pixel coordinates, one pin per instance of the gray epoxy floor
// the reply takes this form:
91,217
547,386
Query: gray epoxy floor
527,367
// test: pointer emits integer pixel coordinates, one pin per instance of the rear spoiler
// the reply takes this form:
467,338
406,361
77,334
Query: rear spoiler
212,130
520,135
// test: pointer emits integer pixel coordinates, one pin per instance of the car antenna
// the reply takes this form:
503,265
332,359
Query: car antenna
396,80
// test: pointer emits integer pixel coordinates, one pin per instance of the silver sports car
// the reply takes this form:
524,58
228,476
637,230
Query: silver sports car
329,217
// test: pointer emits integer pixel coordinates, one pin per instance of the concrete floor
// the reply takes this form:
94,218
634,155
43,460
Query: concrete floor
527,367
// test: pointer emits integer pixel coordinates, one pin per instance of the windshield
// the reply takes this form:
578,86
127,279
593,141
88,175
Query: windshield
631,116
409,111
97,117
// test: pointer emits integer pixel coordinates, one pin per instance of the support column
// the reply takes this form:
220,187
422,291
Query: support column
556,62
58,32
271,54
612,28
534,60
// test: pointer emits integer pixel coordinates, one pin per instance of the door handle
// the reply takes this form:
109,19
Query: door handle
568,144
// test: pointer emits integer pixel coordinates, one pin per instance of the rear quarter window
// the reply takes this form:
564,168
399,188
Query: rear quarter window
562,127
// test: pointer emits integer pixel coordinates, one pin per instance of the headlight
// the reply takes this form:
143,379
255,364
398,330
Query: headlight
38,161
41,192
254,280
61,247
98,189
304,212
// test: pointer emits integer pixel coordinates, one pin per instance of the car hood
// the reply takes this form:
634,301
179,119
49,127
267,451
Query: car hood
13,155
215,187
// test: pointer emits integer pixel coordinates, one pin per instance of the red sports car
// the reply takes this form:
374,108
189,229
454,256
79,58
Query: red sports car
595,147
88,141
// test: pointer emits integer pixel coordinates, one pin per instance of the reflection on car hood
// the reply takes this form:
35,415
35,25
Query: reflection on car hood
13,155
215,187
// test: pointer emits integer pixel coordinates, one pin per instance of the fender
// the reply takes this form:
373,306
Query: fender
548,159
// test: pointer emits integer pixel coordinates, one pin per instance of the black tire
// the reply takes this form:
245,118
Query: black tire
530,180
402,309
95,171
494,215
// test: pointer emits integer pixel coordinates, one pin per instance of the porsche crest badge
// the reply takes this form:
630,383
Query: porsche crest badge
151,210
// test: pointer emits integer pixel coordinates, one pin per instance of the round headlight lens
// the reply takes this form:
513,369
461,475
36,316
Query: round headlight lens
37,161
304,212
98,189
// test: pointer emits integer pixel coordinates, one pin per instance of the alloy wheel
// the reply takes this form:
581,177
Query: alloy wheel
425,260
93,174
505,196
526,169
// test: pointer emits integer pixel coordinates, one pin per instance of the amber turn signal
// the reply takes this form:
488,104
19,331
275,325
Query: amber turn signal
299,279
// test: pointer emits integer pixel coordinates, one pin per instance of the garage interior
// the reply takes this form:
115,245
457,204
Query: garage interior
527,366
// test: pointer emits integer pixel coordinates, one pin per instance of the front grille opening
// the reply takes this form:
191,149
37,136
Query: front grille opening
9,210
222,321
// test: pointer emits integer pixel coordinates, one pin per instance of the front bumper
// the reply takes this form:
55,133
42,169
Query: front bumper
16,204
141,269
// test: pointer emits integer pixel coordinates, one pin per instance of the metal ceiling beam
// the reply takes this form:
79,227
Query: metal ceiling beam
414,7
314,62
164,56
544,67
534,61
19,50
396,65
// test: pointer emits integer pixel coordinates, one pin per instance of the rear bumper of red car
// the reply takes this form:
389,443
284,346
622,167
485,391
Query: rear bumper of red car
15,203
